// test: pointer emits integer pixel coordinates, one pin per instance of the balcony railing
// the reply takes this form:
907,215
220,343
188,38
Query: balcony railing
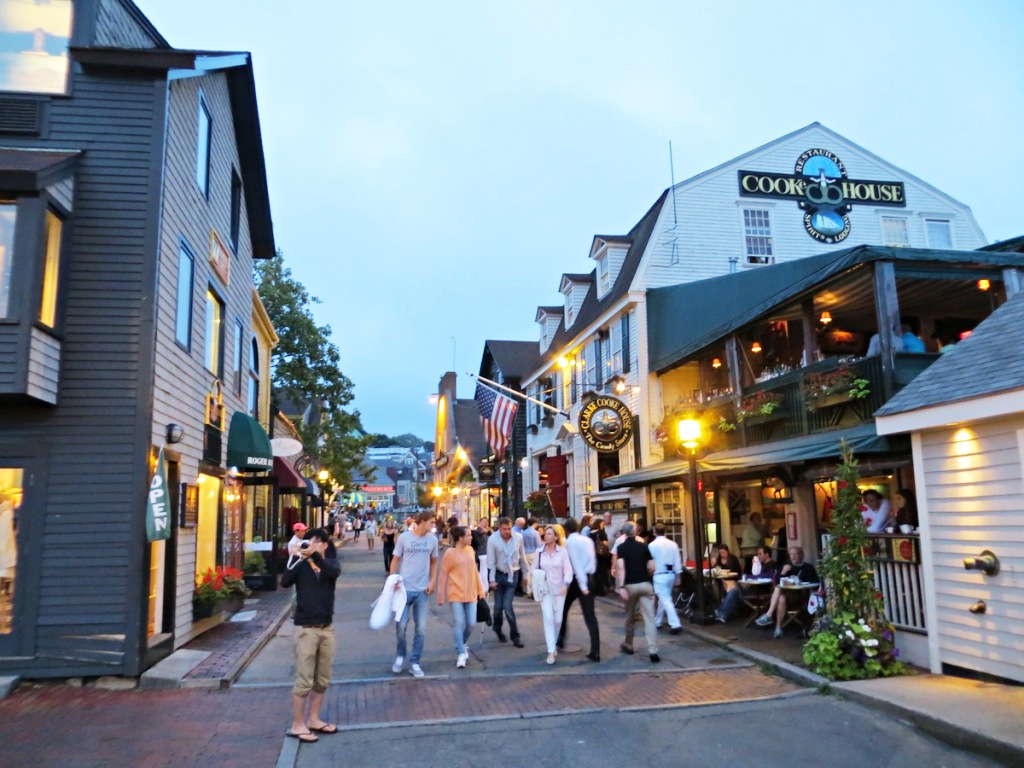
803,403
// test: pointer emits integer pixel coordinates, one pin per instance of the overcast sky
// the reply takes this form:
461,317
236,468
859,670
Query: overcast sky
435,167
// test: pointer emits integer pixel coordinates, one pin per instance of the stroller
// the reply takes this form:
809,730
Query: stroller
686,600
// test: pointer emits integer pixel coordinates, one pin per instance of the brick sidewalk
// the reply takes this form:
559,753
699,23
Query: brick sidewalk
405,700
230,644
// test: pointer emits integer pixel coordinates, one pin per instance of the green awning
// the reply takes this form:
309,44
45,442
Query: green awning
248,445
862,439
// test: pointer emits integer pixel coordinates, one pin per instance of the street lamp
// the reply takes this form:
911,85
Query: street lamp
689,436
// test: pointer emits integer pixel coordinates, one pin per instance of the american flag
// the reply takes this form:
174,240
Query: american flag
497,414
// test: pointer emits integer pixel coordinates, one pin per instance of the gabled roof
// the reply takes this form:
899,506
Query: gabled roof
987,362
237,67
683,319
575,277
514,359
592,307
548,311
601,240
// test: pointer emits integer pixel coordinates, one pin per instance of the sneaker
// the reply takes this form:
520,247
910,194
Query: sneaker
415,670
655,658
626,649
719,617
551,658
461,661
679,630
777,633
763,621
399,663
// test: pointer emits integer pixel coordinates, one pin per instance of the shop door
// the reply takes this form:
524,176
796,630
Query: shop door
558,486
234,523
268,524
21,501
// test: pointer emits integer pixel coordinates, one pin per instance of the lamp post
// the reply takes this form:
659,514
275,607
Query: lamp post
689,436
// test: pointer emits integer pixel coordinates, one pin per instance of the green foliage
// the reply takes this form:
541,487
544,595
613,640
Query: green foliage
305,369
253,564
852,640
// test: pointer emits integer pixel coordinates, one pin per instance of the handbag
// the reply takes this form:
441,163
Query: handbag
539,585
483,611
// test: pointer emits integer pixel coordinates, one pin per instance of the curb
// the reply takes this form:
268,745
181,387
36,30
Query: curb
243,661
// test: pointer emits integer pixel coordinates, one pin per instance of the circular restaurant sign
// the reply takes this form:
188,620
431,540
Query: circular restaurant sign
606,424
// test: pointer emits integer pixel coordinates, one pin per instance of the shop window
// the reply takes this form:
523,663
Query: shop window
8,218
11,485
894,232
51,270
939,233
214,333
204,138
183,309
757,236
34,37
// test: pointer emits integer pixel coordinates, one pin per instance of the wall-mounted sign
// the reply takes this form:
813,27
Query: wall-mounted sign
189,502
606,424
220,258
609,505
823,191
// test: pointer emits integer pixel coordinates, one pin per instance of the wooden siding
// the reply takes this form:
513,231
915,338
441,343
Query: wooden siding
63,192
975,494
43,366
117,28
711,214
181,380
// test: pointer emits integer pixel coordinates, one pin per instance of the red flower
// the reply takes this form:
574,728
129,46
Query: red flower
843,483
843,539
878,595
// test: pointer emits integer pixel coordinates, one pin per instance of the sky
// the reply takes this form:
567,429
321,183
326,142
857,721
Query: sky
436,166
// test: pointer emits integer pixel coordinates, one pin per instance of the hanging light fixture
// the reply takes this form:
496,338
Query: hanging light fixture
716,363
755,347
826,317
984,284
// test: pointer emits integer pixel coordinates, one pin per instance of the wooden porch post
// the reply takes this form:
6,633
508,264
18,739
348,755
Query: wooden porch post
887,311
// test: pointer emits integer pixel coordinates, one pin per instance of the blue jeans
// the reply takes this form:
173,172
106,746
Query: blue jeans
416,605
731,604
503,595
465,617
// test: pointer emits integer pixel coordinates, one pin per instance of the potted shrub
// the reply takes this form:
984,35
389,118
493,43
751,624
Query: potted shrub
254,570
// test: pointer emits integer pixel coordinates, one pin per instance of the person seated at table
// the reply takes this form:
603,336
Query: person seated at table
796,568
906,508
726,562
734,599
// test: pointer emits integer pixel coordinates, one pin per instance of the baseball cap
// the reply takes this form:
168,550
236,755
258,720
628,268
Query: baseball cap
299,527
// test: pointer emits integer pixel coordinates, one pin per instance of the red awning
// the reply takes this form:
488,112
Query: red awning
286,475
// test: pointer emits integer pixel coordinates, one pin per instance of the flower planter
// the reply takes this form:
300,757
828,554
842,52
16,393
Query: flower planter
764,418
826,401
229,605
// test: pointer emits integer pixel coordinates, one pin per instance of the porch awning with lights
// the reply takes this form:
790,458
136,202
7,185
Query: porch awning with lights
862,439
248,445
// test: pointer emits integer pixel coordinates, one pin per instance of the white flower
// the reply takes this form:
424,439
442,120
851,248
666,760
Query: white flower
849,634
871,642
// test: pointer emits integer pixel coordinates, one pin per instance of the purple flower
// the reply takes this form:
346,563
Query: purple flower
895,653
887,635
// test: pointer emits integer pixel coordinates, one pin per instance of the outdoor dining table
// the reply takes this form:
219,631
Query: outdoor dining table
797,595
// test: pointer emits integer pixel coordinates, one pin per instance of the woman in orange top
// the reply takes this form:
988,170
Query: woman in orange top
460,586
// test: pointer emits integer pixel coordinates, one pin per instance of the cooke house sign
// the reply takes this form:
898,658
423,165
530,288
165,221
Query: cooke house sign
606,424
823,191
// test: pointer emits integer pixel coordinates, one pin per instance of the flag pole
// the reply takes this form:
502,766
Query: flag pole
518,394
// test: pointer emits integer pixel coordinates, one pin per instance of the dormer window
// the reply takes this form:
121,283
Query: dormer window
603,275
570,311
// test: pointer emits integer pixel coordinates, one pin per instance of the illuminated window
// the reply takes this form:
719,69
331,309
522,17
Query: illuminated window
214,334
51,270
34,37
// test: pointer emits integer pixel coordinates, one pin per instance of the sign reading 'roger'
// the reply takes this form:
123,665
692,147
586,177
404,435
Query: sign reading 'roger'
606,424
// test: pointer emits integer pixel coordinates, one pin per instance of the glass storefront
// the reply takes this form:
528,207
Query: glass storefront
11,494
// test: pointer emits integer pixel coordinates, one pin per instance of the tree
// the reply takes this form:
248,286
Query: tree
305,369
852,640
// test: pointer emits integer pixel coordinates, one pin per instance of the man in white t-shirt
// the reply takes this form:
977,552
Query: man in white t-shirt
414,560
298,536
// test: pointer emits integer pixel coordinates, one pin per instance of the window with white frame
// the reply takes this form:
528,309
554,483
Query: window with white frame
616,348
627,352
590,367
239,352
204,136
254,380
757,236
214,334
894,232
939,233
603,275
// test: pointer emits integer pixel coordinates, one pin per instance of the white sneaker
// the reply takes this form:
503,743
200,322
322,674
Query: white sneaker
415,671
461,661
399,663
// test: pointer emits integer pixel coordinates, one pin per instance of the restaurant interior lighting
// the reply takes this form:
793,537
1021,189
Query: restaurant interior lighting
984,284
755,347
716,363
826,317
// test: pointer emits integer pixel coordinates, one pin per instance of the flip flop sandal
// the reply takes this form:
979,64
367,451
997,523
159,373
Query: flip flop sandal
326,728
305,738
